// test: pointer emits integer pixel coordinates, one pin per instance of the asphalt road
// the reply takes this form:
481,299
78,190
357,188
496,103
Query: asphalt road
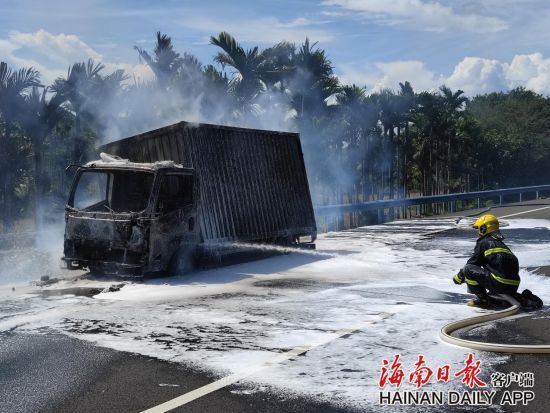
539,209
55,373
530,328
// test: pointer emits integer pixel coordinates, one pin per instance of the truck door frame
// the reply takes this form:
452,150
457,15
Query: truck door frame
166,230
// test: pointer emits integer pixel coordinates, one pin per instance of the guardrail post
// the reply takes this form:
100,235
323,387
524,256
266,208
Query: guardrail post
537,195
453,206
500,199
380,216
479,203
520,197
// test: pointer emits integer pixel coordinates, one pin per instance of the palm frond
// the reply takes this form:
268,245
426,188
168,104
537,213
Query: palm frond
18,80
93,69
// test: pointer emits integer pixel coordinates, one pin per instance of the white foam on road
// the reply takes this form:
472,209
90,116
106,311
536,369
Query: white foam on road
227,319
526,223
253,369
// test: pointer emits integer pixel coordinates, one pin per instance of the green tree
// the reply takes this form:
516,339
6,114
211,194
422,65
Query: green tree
452,102
246,83
41,117
312,81
79,89
514,136
14,84
358,123
427,121
389,114
405,109
165,62
89,96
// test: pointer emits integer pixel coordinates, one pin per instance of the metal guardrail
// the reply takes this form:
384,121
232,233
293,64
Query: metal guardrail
422,200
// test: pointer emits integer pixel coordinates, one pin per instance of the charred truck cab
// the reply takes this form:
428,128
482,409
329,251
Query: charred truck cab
131,218
188,192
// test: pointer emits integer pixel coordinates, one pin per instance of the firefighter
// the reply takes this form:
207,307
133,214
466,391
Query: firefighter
493,267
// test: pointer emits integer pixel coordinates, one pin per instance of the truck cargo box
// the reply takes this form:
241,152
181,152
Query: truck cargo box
253,183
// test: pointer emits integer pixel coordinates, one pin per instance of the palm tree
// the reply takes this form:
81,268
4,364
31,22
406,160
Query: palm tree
41,118
190,77
166,63
390,118
452,101
278,65
428,122
247,81
406,104
105,102
313,80
90,97
452,104
173,72
217,93
79,89
359,120
13,86
351,97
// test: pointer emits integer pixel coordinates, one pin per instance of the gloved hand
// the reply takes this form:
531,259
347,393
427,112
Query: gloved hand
459,278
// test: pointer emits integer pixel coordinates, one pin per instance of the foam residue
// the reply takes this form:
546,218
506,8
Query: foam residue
389,277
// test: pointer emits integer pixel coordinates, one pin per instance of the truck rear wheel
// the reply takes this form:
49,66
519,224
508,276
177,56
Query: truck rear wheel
182,261
95,270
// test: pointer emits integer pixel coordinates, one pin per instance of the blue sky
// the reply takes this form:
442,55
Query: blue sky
476,45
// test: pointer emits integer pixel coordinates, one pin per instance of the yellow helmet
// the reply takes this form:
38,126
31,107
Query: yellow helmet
486,224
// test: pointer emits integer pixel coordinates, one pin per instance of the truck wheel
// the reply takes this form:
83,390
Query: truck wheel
95,270
182,261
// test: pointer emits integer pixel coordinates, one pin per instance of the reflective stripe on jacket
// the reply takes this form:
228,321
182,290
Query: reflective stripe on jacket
494,255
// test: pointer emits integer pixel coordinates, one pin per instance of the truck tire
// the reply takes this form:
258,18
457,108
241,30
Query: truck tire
182,261
95,270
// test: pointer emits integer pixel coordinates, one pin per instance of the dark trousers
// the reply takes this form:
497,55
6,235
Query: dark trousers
479,281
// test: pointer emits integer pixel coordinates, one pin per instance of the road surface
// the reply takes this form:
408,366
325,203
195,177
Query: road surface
299,333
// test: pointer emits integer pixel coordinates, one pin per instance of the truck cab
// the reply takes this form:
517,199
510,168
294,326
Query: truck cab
132,218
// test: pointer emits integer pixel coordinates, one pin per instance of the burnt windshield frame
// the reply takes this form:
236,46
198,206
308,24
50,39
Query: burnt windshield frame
161,177
109,188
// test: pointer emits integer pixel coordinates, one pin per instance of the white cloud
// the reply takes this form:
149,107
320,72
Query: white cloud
52,54
8,53
60,48
396,72
478,75
524,67
267,30
531,71
389,75
7,47
418,14
473,75
334,13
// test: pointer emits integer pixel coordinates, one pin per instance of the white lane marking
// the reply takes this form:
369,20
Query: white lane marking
524,212
233,378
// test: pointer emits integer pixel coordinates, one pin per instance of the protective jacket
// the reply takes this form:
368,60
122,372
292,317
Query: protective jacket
492,254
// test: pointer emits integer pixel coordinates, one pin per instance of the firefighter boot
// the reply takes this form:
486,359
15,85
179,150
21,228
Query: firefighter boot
530,300
481,301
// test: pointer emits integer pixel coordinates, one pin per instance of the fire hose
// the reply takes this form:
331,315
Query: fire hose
446,332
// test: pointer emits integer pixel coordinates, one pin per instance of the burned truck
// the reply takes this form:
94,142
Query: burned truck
165,200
